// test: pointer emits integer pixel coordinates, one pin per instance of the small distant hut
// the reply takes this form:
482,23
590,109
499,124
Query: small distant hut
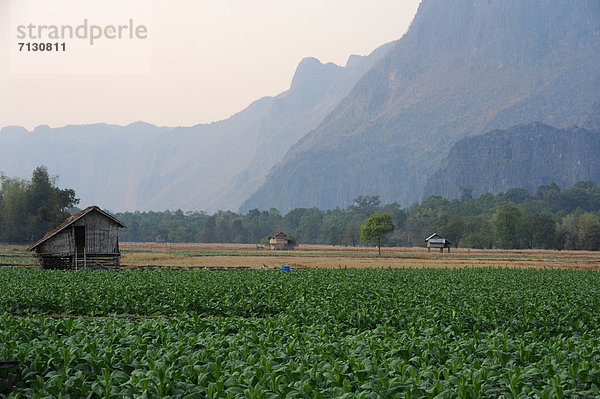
281,241
437,241
88,239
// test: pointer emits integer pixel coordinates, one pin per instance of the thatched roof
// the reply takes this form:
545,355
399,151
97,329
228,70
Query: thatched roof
280,235
69,221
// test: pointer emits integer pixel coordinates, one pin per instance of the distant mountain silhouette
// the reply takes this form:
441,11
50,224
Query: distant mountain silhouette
465,67
202,167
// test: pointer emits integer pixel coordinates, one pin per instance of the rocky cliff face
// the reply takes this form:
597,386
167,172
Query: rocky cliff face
592,122
203,167
465,67
315,91
523,156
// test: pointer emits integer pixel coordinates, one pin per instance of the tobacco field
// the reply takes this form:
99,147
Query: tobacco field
355,333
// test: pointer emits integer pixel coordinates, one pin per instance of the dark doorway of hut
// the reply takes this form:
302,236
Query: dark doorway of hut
80,240
79,232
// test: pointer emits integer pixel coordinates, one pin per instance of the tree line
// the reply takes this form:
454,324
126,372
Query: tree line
551,218
29,208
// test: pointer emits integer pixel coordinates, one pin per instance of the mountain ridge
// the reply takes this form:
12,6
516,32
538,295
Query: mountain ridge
202,167
463,68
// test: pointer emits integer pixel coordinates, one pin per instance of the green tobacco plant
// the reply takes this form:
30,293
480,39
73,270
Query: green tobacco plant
470,333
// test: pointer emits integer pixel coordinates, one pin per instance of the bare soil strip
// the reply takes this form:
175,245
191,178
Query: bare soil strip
223,256
251,256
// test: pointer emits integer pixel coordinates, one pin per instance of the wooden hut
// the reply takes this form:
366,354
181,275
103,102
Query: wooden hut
88,239
280,241
437,241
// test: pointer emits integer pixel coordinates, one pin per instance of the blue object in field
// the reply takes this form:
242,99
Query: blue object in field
285,268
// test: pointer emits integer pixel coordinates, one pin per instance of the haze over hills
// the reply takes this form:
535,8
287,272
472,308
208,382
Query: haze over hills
203,167
465,67
380,125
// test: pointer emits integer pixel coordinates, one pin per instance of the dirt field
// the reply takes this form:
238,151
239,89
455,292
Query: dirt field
151,255
321,256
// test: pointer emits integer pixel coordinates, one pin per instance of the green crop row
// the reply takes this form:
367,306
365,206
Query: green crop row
23,258
468,333
278,358
553,301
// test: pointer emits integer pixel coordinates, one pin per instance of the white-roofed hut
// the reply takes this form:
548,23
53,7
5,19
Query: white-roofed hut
437,241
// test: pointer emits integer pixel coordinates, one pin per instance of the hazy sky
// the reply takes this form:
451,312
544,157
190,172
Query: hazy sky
209,60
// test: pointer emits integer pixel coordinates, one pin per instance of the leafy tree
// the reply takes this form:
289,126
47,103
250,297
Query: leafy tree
334,237
466,193
571,232
478,233
309,228
28,209
451,227
209,231
508,222
375,228
333,226
13,212
398,214
486,204
417,228
434,203
543,228
352,233
517,195
589,232
550,194
365,204
592,238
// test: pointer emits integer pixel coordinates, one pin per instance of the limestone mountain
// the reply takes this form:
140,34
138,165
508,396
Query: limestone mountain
203,167
465,67
525,156
592,122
